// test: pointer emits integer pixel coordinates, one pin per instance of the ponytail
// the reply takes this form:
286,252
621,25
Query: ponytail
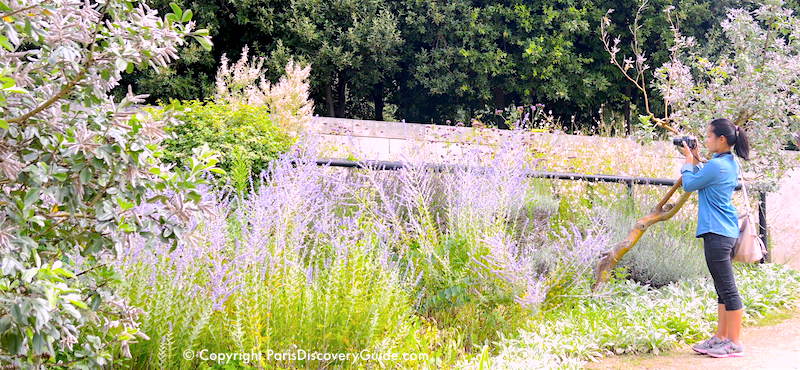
735,135
742,144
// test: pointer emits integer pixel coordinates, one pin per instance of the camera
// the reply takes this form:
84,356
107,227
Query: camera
690,141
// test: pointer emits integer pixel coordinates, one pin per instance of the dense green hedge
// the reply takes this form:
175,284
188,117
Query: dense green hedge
243,132
426,61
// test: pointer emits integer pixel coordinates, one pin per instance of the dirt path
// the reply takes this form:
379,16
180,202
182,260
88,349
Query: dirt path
776,346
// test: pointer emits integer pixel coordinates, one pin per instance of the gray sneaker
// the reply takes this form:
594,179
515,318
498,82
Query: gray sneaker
706,345
726,348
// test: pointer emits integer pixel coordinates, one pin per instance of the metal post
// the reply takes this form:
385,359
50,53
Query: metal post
762,222
630,205
630,188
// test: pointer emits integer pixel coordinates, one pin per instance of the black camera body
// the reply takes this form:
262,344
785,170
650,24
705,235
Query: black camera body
690,141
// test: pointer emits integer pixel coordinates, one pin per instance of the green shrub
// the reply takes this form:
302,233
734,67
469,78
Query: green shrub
458,299
246,132
666,253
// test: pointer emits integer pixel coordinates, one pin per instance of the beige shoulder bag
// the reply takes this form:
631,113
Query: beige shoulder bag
749,248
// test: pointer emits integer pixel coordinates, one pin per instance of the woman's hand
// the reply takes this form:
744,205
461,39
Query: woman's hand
692,155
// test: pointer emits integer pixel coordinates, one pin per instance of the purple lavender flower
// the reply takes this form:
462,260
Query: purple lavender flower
309,275
534,294
582,249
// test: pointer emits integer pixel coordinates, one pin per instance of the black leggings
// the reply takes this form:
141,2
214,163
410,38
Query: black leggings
719,252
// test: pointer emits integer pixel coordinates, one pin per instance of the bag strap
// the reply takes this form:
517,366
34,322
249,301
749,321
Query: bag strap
747,204
744,188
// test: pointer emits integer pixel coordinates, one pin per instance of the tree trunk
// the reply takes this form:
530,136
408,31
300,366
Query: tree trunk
661,212
378,101
498,97
628,110
329,100
341,89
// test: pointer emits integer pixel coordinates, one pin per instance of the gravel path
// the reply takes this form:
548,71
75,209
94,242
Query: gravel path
766,347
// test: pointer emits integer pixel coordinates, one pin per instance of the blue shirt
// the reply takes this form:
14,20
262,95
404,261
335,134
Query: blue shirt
714,183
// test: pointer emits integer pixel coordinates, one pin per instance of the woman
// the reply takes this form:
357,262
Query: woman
717,225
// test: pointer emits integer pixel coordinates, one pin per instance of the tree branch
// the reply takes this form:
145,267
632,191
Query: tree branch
15,12
660,212
64,91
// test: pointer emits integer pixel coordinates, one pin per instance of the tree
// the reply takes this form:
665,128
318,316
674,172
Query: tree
442,60
461,56
351,45
191,76
80,174
752,82
466,55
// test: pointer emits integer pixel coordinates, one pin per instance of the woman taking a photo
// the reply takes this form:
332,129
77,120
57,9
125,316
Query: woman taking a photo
717,224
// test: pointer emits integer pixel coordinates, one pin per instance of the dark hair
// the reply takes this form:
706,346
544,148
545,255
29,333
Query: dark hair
735,135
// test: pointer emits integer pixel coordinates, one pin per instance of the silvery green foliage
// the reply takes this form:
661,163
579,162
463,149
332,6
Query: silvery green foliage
635,319
73,165
672,241
753,83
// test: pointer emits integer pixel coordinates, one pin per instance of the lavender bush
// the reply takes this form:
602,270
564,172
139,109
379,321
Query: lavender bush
321,258
291,272
668,253
327,259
